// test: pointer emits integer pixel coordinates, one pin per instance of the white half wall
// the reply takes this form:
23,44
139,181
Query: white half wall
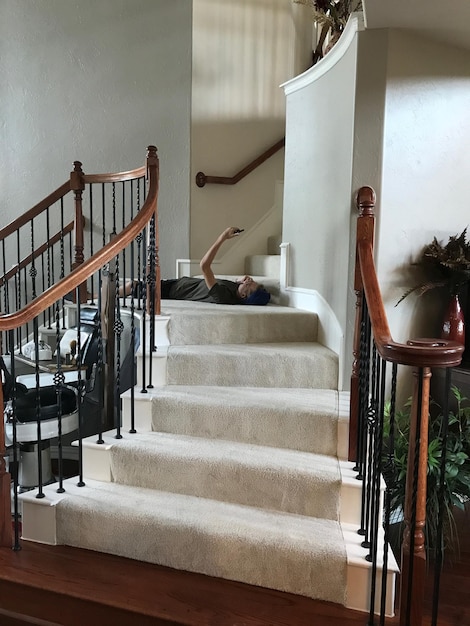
318,175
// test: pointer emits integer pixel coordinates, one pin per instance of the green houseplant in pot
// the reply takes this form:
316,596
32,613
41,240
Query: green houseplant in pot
457,467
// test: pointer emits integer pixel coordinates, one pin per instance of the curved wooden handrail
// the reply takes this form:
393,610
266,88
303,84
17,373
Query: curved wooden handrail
202,179
37,253
23,219
116,177
419,352
422,355
10,321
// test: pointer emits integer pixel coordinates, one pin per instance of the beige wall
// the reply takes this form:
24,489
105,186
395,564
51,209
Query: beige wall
425,184
96,82
242,51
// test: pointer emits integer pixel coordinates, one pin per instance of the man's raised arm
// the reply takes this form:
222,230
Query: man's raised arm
209,257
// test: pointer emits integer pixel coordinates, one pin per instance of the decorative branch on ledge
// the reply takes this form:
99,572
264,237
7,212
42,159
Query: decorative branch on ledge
331,17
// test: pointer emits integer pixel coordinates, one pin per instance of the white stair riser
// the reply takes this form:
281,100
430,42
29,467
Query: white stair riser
263,265
158,374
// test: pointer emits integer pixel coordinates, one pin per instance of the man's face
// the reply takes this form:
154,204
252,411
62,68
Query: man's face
246,287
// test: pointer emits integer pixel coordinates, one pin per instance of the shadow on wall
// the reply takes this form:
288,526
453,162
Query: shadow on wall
223,149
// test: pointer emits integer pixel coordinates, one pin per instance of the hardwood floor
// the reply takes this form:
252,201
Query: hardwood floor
47,586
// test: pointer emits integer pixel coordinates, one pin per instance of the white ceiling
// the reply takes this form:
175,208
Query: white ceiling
447,21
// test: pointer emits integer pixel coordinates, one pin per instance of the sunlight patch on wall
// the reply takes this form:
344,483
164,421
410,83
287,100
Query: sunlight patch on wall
242,51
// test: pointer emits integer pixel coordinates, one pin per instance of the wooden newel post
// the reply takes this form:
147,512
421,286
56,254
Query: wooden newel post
5,484
413,567
153,164
77,185
365,202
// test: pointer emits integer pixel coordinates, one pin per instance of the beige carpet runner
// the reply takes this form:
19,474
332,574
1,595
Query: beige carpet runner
239,478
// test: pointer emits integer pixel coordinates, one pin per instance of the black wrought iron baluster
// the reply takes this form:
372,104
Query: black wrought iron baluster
133,329
113,204
43,281
5,282
371,418
389,471
99,365
365,356
71,247
118,328
59,380
62,254
50,261
17,279
376,485
81,391
123,187
364,368
144,316
103,213
151,283
133,348
18,286
33,271
139,240
16,457
40,493
26,299
92,248
442,488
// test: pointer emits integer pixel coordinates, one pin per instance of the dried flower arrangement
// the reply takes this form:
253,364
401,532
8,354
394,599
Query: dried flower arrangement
331,16
445,265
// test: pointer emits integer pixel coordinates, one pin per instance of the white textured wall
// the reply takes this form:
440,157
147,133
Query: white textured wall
96,82
317,186
425,186
242,51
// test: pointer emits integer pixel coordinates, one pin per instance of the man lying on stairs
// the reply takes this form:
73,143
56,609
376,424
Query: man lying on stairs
211,289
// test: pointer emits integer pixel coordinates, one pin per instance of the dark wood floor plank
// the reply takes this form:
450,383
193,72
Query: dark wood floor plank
160,593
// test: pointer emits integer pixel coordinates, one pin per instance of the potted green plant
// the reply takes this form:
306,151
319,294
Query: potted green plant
331,16
457,466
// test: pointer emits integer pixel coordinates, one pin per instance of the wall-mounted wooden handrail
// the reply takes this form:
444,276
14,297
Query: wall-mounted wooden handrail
202,179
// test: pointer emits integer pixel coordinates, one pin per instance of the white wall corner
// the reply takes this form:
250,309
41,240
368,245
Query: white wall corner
330,333
187,267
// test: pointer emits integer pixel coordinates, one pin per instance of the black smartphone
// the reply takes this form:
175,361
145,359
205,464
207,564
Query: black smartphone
239,230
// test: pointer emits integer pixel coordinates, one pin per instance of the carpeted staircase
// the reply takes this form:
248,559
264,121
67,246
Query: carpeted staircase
235,470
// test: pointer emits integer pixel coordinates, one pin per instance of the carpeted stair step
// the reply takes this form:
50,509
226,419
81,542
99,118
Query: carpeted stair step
263,265
301,365
300,419
269,478
293,553
205,323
